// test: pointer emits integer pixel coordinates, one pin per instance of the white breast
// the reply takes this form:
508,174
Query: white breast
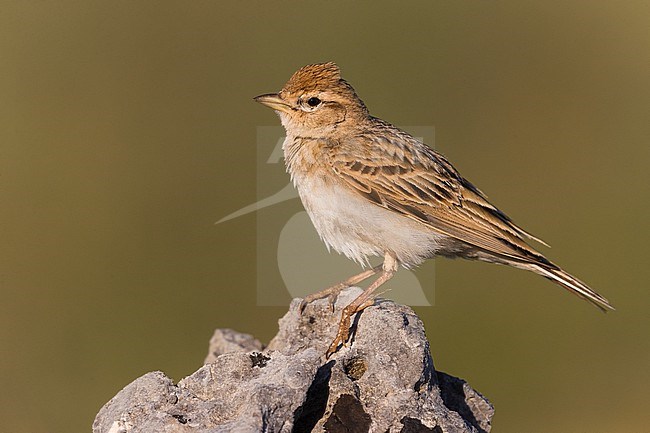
358,228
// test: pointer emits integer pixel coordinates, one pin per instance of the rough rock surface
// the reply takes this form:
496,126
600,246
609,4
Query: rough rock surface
228,341
384,381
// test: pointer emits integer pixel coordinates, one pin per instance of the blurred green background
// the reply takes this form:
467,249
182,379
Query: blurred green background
127,129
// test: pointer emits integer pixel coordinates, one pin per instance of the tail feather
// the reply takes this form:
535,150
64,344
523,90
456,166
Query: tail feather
573,285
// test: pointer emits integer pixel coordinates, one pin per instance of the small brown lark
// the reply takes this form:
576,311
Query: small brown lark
372,189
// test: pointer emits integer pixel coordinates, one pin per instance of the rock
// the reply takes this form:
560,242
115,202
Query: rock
229,341
384,381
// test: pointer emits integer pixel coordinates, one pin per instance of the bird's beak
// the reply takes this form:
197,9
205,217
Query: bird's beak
273,101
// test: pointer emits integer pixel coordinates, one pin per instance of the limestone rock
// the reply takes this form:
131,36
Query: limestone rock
228,341
384,381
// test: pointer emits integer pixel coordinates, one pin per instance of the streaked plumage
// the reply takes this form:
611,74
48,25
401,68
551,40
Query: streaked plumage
372,189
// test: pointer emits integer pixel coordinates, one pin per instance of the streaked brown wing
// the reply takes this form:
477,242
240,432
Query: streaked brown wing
399,173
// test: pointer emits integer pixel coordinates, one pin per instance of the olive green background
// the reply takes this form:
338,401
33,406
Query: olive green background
127,129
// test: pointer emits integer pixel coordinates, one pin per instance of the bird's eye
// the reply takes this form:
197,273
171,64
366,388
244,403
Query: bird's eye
313,101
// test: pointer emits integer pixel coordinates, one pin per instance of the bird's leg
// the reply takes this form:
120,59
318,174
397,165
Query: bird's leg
363,301
332,292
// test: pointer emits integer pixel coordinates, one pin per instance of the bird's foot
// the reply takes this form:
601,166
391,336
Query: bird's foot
344,326
331,293
342,333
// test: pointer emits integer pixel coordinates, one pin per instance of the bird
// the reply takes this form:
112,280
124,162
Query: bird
371,189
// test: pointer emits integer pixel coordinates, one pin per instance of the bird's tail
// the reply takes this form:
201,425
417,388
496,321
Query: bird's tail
572,284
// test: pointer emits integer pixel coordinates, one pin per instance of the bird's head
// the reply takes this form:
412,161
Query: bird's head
315,101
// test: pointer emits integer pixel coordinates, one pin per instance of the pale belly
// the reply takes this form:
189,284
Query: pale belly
359,229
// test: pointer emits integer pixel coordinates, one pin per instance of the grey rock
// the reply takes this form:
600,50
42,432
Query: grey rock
384,381
229,341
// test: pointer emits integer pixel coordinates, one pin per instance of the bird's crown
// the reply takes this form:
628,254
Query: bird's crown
313,77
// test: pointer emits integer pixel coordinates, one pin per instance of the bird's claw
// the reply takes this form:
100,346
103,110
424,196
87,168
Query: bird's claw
331,294
342,334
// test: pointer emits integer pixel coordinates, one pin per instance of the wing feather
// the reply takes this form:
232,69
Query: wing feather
421,184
